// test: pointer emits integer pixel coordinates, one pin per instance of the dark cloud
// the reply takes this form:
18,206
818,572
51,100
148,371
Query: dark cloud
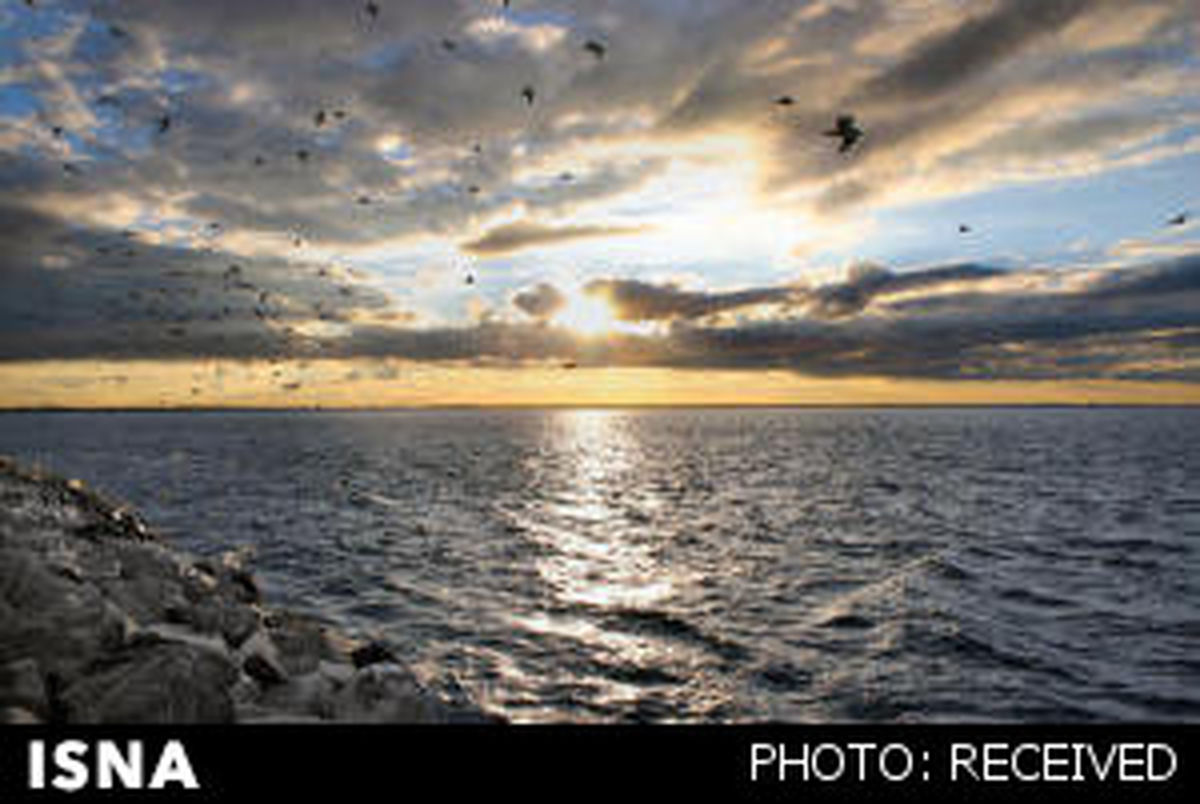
540,302
634,300
527,234
70,291
489,341
1106,327
978,44
867,282
1179,276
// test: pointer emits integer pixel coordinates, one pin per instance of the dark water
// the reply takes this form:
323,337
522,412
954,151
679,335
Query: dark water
707,565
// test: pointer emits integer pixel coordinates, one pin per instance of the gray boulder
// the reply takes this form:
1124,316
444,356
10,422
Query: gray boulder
154,681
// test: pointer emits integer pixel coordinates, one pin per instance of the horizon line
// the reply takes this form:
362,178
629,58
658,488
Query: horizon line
584,406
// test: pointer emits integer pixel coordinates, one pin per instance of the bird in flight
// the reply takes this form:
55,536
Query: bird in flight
847,130
595,48
1178,220
963,228
785,100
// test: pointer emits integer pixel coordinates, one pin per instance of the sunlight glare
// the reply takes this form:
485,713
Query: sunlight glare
588,315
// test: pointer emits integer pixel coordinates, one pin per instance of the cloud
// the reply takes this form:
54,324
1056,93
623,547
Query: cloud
527,234
867,282
958,321
1109,328
540,302
69,291
1023,105
634,300
434,149
981,42
1165,279
243,82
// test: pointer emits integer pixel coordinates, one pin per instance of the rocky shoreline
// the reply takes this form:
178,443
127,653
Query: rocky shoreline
101,621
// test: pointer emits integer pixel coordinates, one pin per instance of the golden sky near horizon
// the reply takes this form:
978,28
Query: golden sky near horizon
146,384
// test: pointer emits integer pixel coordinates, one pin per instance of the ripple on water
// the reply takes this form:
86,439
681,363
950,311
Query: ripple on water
985,564
673,627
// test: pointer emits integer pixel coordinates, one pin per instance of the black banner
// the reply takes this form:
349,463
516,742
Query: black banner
1152,762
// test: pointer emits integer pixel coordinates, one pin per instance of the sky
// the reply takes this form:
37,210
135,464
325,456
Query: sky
467,202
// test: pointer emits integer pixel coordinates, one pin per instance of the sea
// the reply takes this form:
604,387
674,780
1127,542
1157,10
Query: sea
704,565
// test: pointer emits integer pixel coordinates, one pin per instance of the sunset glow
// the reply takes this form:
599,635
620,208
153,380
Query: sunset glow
652,186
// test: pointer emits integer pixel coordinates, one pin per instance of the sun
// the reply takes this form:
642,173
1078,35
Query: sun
588,315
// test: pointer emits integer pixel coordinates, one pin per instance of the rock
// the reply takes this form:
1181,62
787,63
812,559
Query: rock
58,623
386,693
262,671
237,623
206,569
276,719
312,695
146,598
372,653
66,564
168,632
338,673
155,682
21,686
245,587
303,642
16,715
245,693
232,621
261,660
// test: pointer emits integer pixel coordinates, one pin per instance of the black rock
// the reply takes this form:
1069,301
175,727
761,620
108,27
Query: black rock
372,653
262,671
245,588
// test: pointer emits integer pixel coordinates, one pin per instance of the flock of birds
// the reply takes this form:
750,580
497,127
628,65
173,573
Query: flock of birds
322,116
846,130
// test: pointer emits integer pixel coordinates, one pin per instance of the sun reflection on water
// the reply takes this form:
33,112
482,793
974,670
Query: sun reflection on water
601,550
613,598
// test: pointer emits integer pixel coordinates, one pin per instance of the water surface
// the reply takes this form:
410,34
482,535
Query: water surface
706,565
